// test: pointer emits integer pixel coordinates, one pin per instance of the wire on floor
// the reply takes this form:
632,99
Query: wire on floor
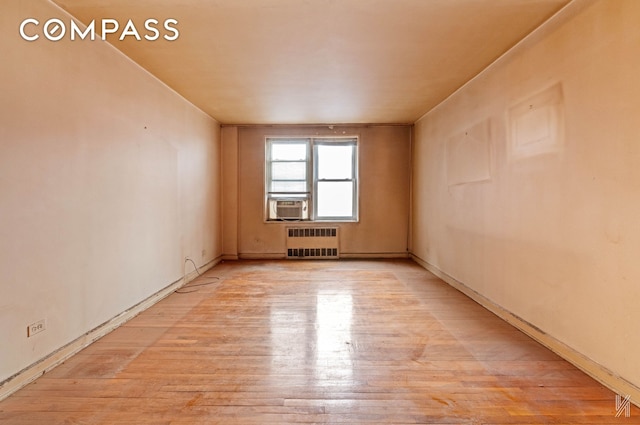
194,265
187,286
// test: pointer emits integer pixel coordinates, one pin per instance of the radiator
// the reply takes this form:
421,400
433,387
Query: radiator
312,242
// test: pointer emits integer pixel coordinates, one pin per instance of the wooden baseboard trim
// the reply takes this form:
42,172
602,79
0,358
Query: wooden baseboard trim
266,256
44,365
362,255
374,255
597,371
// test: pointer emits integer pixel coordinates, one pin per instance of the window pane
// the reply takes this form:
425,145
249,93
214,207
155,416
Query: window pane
289,170
335,162
285,186
335,199
288,151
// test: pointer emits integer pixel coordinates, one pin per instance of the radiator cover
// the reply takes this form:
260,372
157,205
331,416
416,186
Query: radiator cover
312,242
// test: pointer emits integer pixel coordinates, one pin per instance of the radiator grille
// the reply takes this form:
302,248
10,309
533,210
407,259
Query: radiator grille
313,232
312,252
312,242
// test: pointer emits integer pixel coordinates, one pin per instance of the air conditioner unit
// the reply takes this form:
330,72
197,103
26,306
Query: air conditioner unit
288,209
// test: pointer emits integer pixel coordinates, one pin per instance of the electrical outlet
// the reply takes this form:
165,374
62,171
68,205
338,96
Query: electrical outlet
36,327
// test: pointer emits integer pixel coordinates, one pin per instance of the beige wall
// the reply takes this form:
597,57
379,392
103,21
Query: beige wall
552,235
108,180
230,192
384,157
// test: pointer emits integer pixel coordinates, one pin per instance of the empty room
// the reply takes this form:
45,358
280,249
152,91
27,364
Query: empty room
319,211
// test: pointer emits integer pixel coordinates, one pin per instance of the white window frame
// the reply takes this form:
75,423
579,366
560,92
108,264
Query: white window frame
309,196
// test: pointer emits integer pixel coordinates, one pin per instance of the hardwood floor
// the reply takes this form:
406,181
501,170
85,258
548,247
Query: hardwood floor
280,342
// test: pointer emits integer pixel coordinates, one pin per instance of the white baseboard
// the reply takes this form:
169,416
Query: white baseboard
597,371
42,366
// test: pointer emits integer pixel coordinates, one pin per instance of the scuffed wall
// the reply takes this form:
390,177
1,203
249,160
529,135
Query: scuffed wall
383,162
545,225
108,180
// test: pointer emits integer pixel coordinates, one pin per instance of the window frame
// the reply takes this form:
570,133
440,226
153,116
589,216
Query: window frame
310,196
354,176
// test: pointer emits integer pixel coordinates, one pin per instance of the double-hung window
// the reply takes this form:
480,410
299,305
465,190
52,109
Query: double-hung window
311,179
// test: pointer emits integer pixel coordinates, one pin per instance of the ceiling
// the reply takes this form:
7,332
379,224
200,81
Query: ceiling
319,61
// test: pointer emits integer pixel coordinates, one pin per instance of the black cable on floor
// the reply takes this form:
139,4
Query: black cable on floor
181,290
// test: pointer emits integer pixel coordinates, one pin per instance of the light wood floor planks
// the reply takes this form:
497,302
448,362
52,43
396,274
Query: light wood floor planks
331,342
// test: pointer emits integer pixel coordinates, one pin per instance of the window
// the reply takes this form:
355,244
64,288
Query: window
311,179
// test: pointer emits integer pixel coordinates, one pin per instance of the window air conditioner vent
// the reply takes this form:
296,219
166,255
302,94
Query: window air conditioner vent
288,209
